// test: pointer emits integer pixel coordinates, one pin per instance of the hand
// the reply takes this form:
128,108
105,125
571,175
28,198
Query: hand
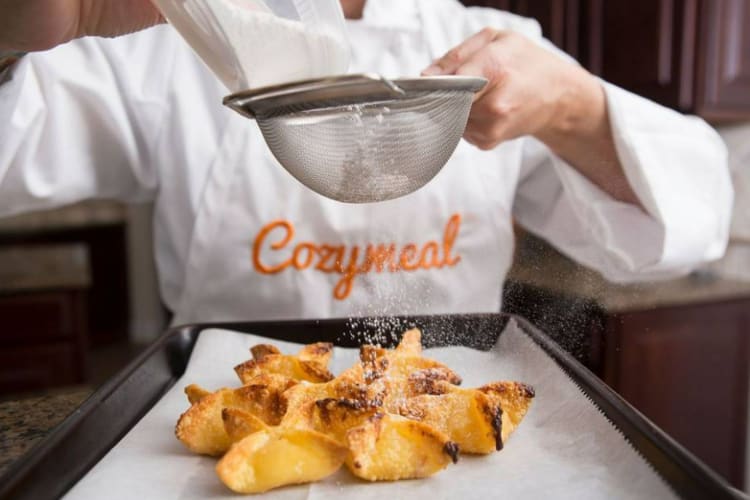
29,25
531,91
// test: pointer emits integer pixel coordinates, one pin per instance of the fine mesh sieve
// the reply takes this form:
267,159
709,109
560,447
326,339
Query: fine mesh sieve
361,138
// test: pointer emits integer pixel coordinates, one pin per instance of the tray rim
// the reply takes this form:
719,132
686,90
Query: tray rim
647,435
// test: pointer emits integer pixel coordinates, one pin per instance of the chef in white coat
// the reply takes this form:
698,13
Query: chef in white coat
620,184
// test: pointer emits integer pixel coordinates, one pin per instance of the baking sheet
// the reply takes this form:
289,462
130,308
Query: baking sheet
564,448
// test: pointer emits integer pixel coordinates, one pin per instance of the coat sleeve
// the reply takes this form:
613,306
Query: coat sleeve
81,120
676,164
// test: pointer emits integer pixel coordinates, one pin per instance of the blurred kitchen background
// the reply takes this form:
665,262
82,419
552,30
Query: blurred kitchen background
79,299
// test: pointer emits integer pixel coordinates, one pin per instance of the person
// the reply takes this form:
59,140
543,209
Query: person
617,182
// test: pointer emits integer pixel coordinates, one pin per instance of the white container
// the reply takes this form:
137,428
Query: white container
255,43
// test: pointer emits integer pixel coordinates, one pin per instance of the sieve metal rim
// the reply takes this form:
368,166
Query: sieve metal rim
344,89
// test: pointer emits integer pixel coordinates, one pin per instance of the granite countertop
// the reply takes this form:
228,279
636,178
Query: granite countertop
539,265
84,214
24,422
44,267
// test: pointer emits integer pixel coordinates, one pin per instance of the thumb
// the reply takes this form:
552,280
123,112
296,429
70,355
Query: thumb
458,55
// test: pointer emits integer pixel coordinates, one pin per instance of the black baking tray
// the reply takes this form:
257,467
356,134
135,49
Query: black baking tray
84,437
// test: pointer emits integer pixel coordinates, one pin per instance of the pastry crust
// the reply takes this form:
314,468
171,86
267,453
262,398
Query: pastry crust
393,415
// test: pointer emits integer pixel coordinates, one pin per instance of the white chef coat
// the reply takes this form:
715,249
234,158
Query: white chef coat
236,237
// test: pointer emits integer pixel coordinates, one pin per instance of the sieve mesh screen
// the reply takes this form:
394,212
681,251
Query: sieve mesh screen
370,152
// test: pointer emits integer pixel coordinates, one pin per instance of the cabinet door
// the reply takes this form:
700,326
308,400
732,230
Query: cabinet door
39,367
648,47
42,340
686,368
690,55
723,83
559,19
32,318
645,46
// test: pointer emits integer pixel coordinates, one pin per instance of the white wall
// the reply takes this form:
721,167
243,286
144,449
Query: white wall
737,139
736,262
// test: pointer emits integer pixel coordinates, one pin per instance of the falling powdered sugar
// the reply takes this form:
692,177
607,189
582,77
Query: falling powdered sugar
391,308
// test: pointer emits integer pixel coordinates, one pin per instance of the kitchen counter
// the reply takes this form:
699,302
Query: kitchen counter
85,214
539,265
29,268
24,422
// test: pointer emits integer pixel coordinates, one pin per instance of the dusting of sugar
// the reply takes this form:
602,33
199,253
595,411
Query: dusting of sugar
380,322
377,322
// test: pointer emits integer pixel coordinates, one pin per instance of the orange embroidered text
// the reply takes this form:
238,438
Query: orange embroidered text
274,251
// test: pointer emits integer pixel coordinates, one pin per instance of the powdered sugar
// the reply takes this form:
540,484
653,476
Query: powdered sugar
249,45
269,49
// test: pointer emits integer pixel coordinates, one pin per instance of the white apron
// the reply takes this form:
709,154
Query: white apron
265,247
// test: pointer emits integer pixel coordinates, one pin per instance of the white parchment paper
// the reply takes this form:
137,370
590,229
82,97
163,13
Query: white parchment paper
564,448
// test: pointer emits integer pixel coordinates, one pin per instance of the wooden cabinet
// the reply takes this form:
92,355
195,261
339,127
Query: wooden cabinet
686,368
649,47
690,55
43,316
723,63
63,291
107,297
677,350
560,19
43,337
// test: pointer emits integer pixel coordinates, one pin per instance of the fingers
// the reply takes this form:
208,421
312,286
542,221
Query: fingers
491,117
457,56
479,55
480,65
494,112
486,132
